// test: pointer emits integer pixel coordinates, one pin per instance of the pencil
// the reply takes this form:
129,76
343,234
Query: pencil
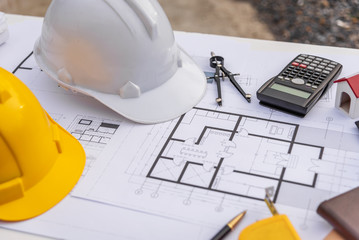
229,226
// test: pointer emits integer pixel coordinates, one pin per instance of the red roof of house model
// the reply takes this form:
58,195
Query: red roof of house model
353,82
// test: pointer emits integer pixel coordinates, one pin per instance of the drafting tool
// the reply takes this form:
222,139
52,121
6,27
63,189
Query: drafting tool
217,62
229,226
277,227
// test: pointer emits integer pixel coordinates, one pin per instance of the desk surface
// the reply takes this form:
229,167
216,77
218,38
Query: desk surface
246,55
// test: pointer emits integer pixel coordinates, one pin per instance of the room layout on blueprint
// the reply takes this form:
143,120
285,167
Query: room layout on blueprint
216,161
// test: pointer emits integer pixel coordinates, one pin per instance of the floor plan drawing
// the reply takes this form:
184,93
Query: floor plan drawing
216,161
231,165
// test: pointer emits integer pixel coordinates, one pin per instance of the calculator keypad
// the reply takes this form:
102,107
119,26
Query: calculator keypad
311,70
300,84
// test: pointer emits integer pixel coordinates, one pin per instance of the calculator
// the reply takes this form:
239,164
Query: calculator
300,84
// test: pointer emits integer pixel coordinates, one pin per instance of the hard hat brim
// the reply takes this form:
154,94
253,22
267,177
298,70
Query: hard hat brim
168,101
57,183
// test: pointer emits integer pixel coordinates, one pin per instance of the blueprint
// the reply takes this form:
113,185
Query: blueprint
214,161
191,175
210,162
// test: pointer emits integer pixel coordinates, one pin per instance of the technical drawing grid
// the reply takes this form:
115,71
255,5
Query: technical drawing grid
186,159
238,155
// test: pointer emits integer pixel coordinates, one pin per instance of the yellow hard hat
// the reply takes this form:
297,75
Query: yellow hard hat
40,162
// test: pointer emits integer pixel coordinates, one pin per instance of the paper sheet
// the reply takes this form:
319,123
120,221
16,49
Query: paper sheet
217,161
185,178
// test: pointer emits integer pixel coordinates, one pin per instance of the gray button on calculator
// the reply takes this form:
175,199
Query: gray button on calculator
298,81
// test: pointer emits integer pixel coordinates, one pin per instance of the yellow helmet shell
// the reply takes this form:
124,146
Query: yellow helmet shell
40,162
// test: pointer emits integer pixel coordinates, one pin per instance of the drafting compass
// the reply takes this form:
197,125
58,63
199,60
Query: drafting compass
217,62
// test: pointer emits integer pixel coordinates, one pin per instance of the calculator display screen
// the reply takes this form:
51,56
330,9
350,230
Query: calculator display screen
289,90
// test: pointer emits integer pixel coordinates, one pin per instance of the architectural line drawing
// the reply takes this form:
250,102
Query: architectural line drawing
212,158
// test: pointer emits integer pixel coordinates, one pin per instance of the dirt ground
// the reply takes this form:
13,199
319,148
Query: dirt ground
224,17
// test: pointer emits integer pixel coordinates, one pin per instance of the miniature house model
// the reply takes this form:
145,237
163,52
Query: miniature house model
347,98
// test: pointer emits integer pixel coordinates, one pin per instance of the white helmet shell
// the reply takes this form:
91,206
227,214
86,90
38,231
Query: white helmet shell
121,52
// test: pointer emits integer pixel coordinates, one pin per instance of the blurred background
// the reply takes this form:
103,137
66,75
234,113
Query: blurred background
322,22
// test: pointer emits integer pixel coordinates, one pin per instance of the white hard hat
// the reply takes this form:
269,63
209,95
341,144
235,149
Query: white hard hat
123,53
